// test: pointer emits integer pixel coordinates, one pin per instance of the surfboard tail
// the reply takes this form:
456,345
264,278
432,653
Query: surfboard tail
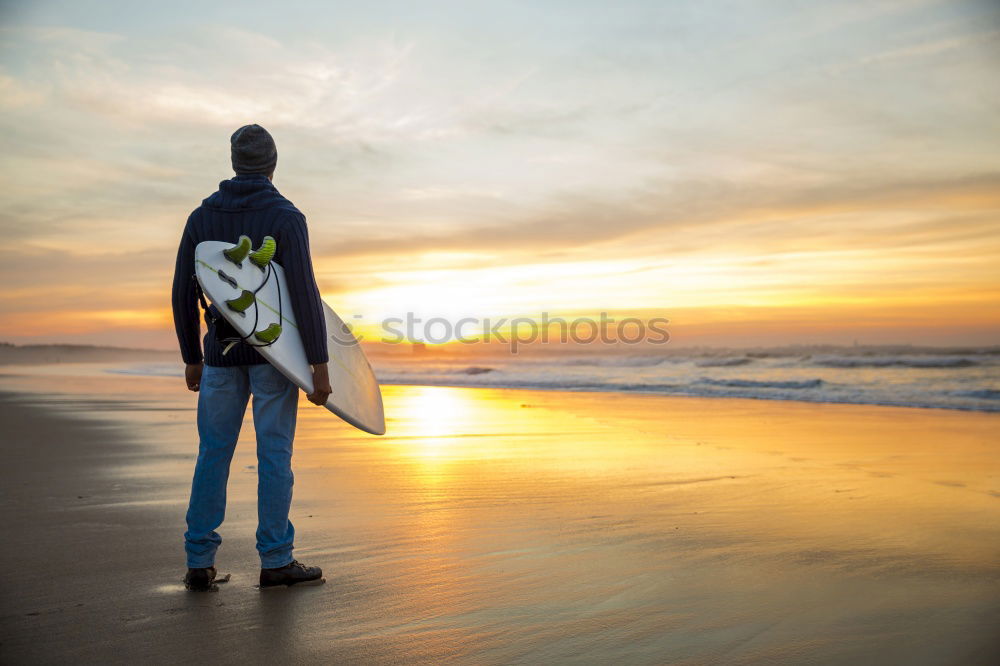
239,252
262,256
241,302
269,334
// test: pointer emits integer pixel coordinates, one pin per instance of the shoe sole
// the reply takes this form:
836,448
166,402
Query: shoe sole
285,586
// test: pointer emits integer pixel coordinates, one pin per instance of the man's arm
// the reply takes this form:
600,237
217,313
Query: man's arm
187,323
306,302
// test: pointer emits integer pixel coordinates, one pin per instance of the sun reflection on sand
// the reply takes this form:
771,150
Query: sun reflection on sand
431,413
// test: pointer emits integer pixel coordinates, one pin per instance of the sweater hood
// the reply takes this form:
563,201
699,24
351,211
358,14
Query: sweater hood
246,192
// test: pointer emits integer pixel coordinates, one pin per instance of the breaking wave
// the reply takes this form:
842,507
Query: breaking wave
724,362
898,362
753,383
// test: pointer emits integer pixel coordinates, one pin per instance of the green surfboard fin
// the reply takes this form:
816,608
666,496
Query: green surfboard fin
241,302
262,256
269,334
238,252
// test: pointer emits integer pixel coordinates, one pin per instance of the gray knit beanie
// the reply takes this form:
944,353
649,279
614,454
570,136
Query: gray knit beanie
253,150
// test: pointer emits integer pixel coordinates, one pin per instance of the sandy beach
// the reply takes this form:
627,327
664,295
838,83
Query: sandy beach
508,526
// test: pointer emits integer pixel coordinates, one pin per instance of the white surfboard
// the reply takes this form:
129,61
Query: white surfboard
356,397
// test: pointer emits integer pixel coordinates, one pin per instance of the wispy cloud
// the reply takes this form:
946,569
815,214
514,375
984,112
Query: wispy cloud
537,140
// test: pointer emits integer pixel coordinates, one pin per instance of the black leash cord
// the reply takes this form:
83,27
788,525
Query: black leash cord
256,313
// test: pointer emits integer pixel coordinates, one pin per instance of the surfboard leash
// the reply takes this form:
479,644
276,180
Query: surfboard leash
269,335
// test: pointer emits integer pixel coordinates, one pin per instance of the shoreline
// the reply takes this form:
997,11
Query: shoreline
17,370
624,392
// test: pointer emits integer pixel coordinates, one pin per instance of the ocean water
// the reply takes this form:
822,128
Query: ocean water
965,379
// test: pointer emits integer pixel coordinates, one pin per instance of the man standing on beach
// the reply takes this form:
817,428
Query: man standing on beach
249,205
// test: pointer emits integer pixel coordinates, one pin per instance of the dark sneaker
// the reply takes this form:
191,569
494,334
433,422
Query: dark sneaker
200,580
294,573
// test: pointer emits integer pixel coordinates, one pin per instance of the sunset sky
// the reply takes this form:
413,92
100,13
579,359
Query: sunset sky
759,172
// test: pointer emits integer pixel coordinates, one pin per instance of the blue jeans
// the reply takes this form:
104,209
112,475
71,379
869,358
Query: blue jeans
222,402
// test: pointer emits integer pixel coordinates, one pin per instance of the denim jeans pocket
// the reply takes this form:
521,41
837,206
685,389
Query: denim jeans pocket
270,379
214,377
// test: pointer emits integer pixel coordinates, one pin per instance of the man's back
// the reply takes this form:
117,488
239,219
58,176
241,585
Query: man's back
249,205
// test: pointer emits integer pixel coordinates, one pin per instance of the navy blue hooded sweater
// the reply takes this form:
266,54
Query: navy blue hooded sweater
248,205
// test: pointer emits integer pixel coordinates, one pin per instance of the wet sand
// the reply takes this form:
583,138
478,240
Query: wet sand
503,526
